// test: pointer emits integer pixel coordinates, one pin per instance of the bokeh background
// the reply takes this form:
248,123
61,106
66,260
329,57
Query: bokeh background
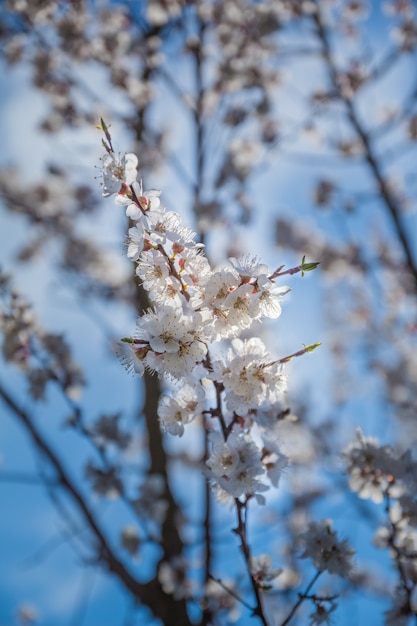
276,129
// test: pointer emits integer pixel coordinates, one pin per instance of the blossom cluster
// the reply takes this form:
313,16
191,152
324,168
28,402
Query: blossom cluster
44,357
326,550
382,474
192,336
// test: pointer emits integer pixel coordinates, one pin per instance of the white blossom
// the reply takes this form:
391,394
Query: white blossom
265,299
194,307
174,412
325,550
154,271
175,338
137,201
163,225
274,460
370,467
262,570
322,614
249,267
135,241
116,170
237,304
250,378
132,356
171,575
235,464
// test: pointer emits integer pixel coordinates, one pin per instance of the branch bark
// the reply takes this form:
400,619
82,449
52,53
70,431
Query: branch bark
163,606
369,152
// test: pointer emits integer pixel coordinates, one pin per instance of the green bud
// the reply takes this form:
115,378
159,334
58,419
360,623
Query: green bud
312,347
308,267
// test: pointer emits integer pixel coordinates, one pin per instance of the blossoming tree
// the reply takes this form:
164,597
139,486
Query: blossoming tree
224,105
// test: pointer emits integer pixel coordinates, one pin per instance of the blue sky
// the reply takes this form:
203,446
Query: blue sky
33,549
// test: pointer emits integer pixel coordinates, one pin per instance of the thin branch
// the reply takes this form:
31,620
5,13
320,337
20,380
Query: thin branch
301,598
208,553
369,154
150,594
398,553
232,593
241,532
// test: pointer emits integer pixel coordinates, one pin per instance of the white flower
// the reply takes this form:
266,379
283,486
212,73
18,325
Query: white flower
218,286
175,338
195,271
116,170
322,614
132,356
221,282
250,378
248,267
273,459
174,412
153,270
162,225
325,550
261,569
235,464
171,575
264,302
237,307
135,241
370,466
138,201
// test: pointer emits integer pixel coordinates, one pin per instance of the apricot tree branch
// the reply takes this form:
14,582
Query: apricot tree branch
162,605
369,153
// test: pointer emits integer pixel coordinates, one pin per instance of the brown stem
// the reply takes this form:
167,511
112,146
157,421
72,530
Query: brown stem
171,612
207,616
369,154
241,532
301,598
398,552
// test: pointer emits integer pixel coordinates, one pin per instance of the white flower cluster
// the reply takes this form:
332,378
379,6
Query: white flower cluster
262,570
326,550
196,309
384,475
376,472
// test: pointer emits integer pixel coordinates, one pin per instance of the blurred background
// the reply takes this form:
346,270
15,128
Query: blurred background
278,129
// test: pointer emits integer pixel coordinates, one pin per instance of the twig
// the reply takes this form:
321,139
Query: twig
232,593
241,532
369,155
301,598
150,594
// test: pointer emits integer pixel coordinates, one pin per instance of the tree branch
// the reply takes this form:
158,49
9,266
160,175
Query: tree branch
171,612
369,154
